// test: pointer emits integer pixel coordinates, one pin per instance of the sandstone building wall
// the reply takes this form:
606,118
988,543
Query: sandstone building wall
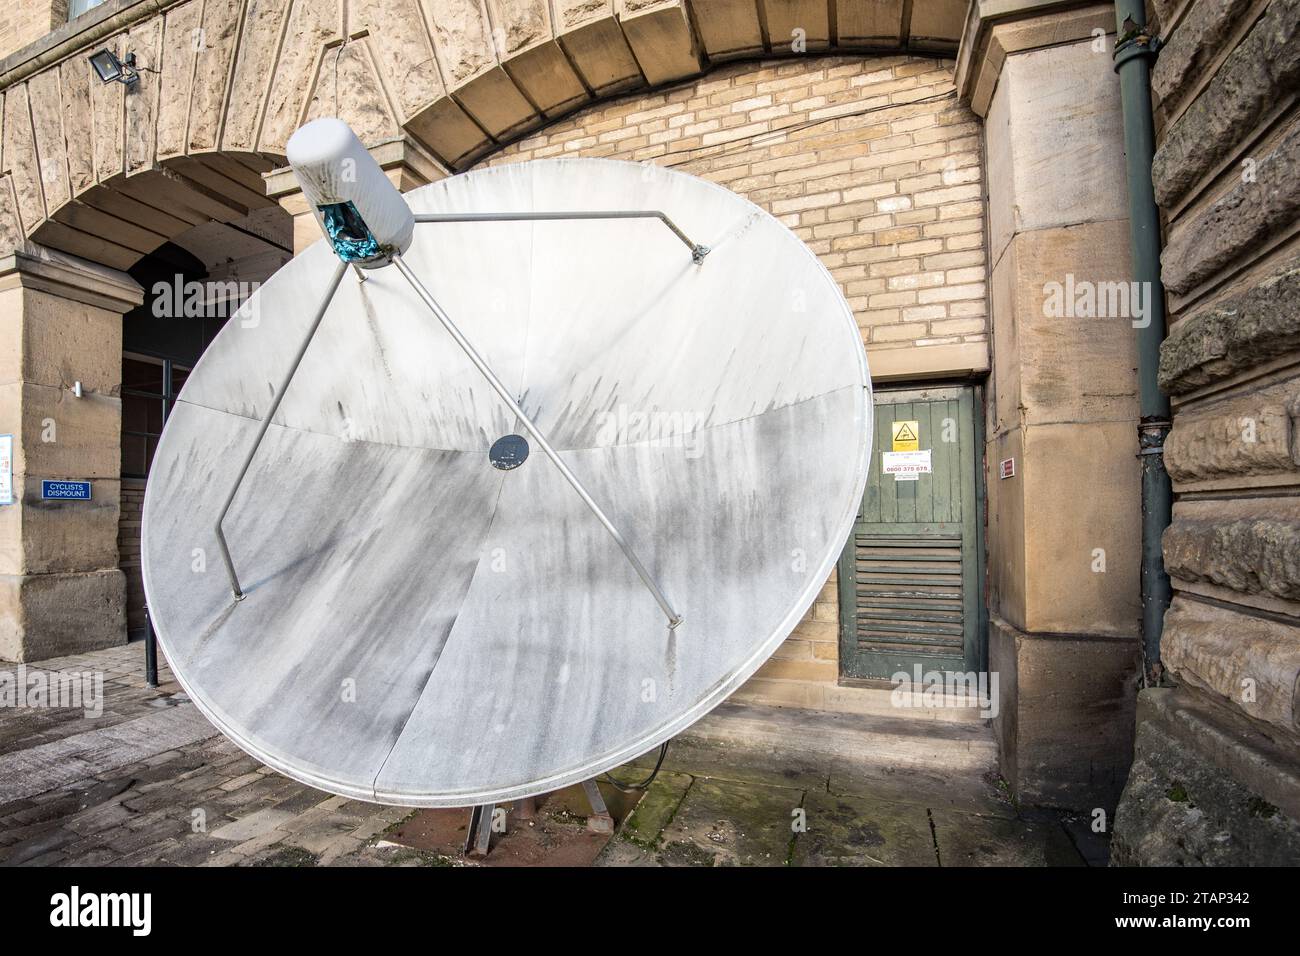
28,21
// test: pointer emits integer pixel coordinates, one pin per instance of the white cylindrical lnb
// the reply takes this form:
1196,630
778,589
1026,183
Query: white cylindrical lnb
362,214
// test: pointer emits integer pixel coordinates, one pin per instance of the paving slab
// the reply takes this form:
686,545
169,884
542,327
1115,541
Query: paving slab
656,809
123,789
254,825
731,823
922,786
47,766
859,831
777,767
971,839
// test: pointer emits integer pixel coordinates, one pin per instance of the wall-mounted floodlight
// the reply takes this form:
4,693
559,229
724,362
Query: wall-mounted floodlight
111,69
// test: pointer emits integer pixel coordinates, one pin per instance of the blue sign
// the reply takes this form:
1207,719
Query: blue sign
65,490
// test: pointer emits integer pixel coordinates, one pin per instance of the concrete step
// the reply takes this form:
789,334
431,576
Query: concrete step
882,701
900,738
906,704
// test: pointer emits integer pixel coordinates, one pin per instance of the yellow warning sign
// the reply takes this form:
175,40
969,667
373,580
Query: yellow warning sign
906,436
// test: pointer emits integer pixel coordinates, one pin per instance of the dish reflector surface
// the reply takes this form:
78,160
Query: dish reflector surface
421,627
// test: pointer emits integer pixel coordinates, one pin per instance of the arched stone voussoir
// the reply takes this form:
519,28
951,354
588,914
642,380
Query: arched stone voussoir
223,84
126,217
511,65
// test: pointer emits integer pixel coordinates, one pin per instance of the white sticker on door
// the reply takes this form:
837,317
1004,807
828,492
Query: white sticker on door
905,465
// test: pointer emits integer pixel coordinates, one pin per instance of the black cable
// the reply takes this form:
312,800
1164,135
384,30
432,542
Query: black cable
644,784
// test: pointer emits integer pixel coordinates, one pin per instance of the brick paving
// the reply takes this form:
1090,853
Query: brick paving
148,782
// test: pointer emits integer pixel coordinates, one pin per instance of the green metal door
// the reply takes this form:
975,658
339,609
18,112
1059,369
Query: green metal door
910,575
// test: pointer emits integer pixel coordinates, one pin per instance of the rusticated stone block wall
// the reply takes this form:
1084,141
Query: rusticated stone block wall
1227,176
1227,173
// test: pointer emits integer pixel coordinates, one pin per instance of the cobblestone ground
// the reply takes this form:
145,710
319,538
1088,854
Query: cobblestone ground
149,782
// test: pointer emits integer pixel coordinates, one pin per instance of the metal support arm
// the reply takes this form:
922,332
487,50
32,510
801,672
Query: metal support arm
266,423
698,252
673,617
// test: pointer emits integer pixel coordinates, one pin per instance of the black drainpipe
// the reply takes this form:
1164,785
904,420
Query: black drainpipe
1135,48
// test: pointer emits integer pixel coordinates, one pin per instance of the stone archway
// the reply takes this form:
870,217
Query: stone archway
109,173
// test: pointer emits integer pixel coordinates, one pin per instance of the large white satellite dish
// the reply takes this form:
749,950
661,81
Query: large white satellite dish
421,607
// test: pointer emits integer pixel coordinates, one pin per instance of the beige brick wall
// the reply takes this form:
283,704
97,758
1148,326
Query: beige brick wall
27,21
871,161
885,189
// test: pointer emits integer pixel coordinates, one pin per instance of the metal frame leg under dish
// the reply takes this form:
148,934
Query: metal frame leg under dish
478,836
497,386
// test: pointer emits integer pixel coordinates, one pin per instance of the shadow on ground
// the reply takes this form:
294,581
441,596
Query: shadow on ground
149,782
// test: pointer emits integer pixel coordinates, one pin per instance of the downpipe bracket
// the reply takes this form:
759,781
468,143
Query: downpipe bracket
1152,435
1134,42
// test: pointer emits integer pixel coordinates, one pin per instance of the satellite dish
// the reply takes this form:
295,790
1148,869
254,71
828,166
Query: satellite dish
420,605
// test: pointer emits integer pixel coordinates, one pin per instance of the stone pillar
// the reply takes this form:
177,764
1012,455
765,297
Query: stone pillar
1063,527
61,590
407,165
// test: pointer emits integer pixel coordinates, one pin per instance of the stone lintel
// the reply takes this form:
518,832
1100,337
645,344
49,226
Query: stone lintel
997,28
67,276
964,360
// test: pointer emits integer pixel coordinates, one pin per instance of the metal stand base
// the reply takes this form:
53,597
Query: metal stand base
600,820
478,838
150,650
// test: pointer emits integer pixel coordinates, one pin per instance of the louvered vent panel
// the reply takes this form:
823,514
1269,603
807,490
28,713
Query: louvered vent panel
909,593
